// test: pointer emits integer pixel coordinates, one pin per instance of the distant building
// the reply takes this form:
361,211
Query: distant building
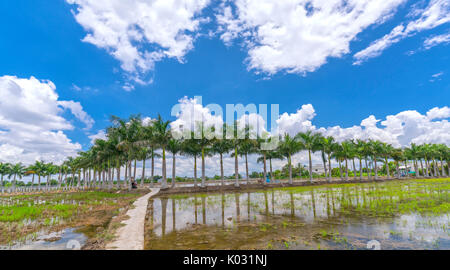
318,169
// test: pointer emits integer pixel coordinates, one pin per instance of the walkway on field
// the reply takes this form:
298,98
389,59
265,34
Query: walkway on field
131,236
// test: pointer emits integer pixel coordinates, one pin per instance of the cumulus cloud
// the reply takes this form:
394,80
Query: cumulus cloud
296,122
190,112
139,33
435,14
31,121
298,36
101,135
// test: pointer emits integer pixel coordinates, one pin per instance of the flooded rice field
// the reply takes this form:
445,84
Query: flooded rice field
407,214
57,221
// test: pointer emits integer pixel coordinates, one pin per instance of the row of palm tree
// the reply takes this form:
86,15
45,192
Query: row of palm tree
39,170
133,140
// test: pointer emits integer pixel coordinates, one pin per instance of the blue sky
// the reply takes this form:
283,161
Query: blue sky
44,39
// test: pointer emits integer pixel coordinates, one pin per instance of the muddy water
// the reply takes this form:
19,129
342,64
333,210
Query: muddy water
397,215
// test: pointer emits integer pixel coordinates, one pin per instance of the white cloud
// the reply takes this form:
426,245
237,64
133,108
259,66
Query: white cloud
438,113
31,121
435,14
139,33
296,122
298,36
77,110
190,112
436,40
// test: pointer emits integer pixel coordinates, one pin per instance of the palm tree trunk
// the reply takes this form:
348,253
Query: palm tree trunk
346,169
398,170
134,173
360,169
39,182
416,169
426,167
265,168
221,170
153,169
173,171
271,172
246,168
442,168
290,169
203,168
340,170
329,168
195,170
310,166
367,169
14,183
126,175
387,168
118,175
236,168
143,173
376,168
354,169
164,178
421,166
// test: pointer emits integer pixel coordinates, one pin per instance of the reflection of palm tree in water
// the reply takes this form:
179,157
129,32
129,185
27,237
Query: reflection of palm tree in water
163,215
223,210
248,205
195,208
238,208
292,204
204,210
273,203
173,215
267,204
313,201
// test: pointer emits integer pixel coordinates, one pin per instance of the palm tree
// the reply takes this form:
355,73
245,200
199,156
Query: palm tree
385,151
271,155
413,152
4,170
162,137
328,145
360,154
247,146
397,155
221,146
16,171
174,147
377,149
288,147
235,135
443,152
309,141
346,152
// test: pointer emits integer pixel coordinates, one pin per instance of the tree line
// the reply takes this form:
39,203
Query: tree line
131,140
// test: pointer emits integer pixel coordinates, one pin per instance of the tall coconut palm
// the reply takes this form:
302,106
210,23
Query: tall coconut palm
4,170
377,149
221,146
346,153
414,154
310,141
328,144
385,151
162,137
174,147
246,147
443,152
236,136
288,147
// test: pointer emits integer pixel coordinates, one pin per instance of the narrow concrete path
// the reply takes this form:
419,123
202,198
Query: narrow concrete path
131,236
